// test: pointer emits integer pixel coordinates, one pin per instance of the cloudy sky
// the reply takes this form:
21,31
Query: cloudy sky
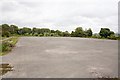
61,14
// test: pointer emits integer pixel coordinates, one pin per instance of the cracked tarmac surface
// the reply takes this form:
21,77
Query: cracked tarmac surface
61,57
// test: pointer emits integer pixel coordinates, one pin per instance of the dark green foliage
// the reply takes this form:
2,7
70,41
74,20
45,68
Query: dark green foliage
35,34
6,34
79,32
96,35
66,34
58,33
7,31
41,31
44,30
13,29
52,31
105,32
34,30
20,31
26,30
6,46
112,33
88,33
72,34
112,36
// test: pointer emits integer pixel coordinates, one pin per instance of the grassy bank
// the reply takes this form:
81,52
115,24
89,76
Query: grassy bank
7,45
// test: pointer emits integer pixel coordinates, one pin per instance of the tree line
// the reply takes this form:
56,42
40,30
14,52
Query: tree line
11,30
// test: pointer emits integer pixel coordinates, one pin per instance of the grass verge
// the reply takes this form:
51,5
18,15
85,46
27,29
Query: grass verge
7,45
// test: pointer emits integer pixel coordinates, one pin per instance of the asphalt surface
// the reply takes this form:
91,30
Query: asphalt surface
52,57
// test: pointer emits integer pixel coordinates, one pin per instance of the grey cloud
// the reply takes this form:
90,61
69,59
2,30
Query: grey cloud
8,6
61,14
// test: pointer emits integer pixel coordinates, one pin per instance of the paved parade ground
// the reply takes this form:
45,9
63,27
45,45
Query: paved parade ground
58,57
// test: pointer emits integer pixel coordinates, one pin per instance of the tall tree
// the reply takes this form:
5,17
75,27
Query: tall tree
79,32
35,30
58,32
13,29
66,34
89,32
5,30
25,30
72,34
105,32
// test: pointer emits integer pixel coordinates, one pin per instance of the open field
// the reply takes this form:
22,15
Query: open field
58,57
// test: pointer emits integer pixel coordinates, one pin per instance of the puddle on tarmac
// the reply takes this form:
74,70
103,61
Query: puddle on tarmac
4,68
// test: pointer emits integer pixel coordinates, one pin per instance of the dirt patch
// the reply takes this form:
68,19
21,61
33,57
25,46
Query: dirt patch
4,68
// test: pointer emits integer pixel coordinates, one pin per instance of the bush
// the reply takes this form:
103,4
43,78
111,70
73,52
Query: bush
36,34
112,37
96,36
6,34
6,46
40,35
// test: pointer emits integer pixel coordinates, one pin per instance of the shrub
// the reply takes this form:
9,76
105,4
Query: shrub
112,37
35,34
6,34
6,46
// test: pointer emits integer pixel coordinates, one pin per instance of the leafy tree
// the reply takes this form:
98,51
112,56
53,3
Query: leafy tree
13,29
112,33
88,32
72,34
59,33
52,31
44,30
112,36
39,31
105,32
5,30
20,31
46,34
34,30
66,34
24,31
79,32
96,35
36,34
41,34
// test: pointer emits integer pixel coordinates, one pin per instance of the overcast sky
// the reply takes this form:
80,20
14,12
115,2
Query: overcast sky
61,14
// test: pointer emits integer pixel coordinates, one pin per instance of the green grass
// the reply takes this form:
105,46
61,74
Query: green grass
7,45
13,40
